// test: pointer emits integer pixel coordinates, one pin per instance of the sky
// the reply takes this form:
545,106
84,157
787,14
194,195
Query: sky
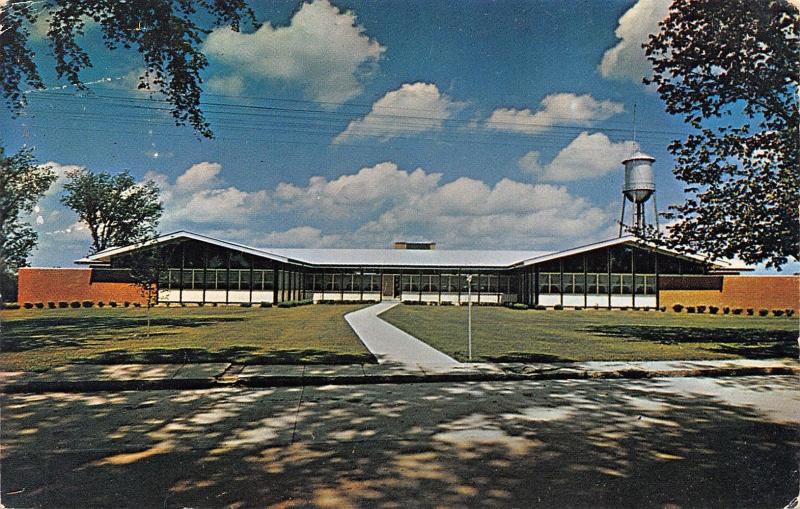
493,124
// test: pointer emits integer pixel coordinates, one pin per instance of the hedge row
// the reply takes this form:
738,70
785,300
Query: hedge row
71,304
736,311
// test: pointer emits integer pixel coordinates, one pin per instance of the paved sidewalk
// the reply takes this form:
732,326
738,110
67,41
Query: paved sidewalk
92,377
389,344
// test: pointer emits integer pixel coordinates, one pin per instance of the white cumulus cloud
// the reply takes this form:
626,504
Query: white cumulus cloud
323,50
626,60
412,108
587,156
561,108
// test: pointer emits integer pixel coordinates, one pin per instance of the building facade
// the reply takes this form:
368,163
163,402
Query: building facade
618,273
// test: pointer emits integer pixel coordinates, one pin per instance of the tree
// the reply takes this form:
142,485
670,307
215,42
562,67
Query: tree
731,69
117,210
22,183
165,32
146,267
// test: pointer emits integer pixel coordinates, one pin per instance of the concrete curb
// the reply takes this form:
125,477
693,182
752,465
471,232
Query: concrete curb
263,381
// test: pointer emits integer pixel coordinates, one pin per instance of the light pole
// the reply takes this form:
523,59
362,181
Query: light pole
469,316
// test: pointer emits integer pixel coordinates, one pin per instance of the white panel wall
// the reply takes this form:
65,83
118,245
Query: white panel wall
599,300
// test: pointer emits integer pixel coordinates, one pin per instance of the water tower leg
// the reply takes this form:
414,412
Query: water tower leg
622,217
655,212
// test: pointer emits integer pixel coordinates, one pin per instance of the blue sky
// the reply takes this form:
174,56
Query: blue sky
348,123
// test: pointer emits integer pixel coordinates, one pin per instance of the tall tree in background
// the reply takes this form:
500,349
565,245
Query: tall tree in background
22,183
165,32
117,210
715,61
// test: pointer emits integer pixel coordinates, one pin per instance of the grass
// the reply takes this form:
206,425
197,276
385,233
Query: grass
40,339
505,335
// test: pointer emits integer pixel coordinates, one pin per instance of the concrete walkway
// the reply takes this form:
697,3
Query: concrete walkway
389,344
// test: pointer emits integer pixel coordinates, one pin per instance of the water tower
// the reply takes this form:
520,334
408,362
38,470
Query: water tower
639,188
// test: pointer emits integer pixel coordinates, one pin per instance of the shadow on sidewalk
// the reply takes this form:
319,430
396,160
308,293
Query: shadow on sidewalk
551,444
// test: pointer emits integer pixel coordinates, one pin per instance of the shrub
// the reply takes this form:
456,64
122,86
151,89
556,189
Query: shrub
789,312
726,310
74,304
213,304
750,311
137,304
446,303
596,307
539,307
677,308
11,305
763,312
713,310
246,305
737,311
663,309
63,304
777,312
578,308
701,309
126,304
518,305
87,303
39,305
558,307
690,309
28,305
101,304
113,304
51,305
183,305
265,304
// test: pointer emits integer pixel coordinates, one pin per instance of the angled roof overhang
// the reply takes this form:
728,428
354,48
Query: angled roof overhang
105,256
720,265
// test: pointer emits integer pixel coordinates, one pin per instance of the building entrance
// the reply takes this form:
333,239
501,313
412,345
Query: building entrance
390,286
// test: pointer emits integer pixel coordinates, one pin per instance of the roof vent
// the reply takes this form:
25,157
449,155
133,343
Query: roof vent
426,246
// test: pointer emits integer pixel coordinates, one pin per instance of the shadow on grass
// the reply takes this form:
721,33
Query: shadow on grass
234,354
525,357
746,342
68,331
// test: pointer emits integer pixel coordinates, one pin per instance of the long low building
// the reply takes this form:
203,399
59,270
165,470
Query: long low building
621,272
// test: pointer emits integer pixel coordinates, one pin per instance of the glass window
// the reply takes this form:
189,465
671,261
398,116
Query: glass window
602,283
627,284
591,283
579,284
544,283
616,284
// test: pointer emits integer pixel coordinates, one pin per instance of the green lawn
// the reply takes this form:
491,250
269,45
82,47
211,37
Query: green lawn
39,339
505,335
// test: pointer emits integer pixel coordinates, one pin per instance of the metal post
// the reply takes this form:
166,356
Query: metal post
274,284
440,287
183,262
469,316
622,217
608,267
228,280
561,281
205,272
658,297
252,258
585,283
633,277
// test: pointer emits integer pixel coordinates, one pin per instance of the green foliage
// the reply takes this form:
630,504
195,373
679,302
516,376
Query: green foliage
677,308
28,305
713,310
165,32
712,60
22,183
701,309
117,210
763,312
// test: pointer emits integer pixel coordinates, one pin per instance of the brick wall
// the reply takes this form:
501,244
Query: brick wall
757,292
55,285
